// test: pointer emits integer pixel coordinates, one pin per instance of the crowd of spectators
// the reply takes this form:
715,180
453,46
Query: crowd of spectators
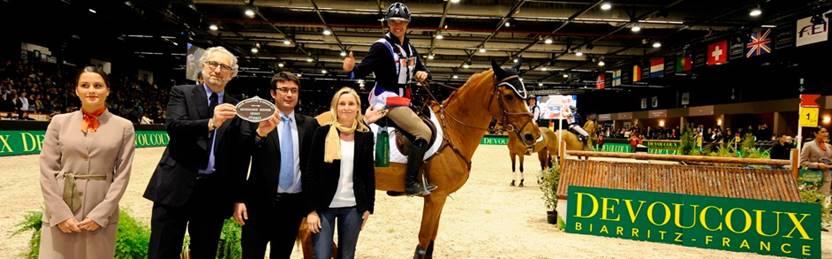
40,90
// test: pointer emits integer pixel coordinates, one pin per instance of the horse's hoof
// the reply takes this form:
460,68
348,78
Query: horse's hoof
420,253
521,183
512,183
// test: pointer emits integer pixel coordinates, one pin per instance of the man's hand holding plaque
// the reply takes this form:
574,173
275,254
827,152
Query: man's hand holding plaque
267,126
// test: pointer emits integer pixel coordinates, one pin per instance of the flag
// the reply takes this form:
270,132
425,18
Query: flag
636,73
717,53
683,63
616,77
601,81
736,48
656,67
810,33
759,43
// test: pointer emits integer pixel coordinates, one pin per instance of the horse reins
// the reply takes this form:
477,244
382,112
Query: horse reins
504,119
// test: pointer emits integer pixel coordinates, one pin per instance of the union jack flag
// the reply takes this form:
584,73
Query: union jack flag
759,44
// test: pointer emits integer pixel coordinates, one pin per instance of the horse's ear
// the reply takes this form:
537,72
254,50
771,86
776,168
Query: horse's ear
498,71
517,65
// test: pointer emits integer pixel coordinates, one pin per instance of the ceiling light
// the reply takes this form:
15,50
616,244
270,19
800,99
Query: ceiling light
482,50
309,60
280,65
213,27
257,44
439,36
249,12
755,12
657,44
635,28
327,32
507,24
430,57
254,50
540,84
454,1
465,66
548,41
323,71
343,53
287,42
579,53
456,77
601,63
606,6
565,75
92,10
516,60
544,69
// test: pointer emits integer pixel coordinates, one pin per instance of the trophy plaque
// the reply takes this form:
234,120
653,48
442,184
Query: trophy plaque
255,109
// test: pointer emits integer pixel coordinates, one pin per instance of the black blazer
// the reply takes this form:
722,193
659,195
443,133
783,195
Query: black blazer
321,180
186,121
261,186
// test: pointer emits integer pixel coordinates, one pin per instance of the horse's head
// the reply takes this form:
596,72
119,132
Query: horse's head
510,109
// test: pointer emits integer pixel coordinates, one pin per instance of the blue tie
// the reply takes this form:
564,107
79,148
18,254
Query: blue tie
287,157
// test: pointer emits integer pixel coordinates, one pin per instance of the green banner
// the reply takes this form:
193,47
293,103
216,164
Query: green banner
662,147
494,140
18,142
616,147
778,228
653,147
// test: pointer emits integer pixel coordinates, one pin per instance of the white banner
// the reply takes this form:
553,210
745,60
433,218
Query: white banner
808,33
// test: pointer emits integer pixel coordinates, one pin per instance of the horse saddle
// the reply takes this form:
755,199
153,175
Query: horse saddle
400,140
403,139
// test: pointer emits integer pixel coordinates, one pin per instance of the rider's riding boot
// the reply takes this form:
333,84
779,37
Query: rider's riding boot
414,162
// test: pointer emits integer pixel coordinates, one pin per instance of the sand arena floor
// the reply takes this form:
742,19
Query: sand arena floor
485,219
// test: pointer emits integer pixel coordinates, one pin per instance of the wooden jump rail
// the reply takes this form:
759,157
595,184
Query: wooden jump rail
770,182
681,158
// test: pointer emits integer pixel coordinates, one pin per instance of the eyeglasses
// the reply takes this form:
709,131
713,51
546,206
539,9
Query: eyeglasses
286,90
213,65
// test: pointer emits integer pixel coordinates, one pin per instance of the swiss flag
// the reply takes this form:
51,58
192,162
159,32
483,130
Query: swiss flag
717,53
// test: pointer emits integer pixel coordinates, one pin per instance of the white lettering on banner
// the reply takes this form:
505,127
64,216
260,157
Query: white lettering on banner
809,33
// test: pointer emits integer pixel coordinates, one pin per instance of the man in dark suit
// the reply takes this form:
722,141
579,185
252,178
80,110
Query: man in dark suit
270,207
188,185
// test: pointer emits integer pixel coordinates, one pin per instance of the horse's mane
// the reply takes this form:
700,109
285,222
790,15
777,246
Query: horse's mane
474,80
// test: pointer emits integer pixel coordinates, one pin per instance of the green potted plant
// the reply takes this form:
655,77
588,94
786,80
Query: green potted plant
548,186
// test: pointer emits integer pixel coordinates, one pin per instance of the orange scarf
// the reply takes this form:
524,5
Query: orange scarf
90,123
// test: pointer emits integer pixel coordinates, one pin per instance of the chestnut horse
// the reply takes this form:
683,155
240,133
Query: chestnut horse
517,149
464,117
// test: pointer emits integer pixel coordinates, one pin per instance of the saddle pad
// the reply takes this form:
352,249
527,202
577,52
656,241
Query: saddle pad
396,156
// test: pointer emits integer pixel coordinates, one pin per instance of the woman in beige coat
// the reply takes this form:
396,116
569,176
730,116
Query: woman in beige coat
85,166
816,155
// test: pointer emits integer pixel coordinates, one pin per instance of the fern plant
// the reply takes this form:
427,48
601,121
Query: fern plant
31,222
132,237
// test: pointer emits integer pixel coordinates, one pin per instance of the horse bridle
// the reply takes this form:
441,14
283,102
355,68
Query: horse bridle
505,118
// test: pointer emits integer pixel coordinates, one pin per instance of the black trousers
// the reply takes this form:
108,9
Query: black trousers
203,216
274,222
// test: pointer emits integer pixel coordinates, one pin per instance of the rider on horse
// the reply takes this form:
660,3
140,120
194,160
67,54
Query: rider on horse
574,120
395,63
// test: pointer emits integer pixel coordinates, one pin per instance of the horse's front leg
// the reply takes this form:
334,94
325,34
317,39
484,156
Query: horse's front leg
431,213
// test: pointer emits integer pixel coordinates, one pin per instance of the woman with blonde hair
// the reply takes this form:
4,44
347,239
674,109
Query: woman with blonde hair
340,183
